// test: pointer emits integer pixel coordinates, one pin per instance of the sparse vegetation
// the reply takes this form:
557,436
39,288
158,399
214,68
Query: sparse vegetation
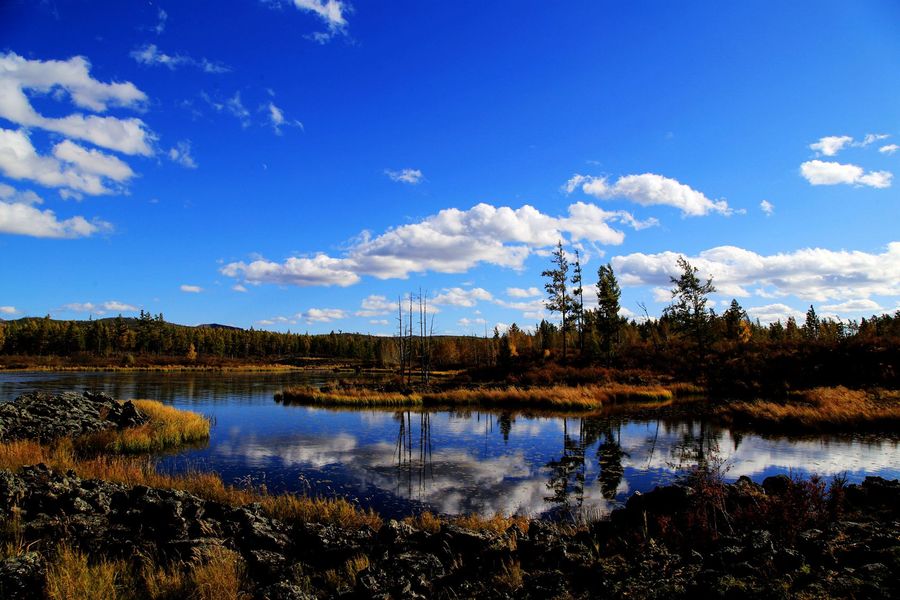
820,408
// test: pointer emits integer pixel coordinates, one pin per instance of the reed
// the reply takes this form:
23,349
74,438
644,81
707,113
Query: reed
818,409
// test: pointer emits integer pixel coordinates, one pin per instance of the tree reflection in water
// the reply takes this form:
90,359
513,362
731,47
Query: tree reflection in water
410,468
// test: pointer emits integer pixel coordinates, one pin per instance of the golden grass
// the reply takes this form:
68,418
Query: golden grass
262,368
70,576
560,397
354,396
167,427
220,577
498,523
820,408
209,486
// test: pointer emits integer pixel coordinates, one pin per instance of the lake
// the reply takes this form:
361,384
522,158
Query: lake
452,462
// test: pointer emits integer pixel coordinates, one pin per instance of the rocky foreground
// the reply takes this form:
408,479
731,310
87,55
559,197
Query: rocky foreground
740,540
44,416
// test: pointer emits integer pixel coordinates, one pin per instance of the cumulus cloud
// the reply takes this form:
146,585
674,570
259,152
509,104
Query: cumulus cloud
818,172
238,288
451,241
461,297
8,310
889,148
72,78
468,323
150,55
515,292
649,189
831,145
767,207
411,176
323,315
20,216
375,306
814,274
190,289
181,154
71,166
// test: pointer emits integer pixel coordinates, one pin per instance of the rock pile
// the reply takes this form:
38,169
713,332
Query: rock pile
45,416
856,554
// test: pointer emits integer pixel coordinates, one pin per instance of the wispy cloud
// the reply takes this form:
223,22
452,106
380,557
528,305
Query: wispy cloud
411,176
150,55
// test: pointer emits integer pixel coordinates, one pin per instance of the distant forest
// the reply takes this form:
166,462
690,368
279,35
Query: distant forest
689,341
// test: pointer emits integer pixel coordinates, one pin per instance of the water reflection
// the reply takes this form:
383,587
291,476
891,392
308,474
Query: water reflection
458,461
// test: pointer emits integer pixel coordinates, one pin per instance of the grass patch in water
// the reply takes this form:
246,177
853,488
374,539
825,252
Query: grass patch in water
563,397
820,409
167,427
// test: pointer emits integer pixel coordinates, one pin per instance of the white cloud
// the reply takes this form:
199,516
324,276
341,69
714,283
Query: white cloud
812,273
150,55
115,305
859,305
411,176
19,216
238,288
375,306
93,161
190,289
71,167
767,207
774,312
831,145
889,148
8,310
819,172
100,309
451,241
378,322
514,292
72,78
181,154
332,12
461,297
323,315
649,189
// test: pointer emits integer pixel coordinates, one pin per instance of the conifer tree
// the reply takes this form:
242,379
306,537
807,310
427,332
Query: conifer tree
558,298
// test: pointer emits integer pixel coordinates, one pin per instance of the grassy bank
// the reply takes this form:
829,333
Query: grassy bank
132,470
166,428
819,409
560,397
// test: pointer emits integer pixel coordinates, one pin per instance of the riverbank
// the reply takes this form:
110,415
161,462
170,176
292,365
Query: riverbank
69,537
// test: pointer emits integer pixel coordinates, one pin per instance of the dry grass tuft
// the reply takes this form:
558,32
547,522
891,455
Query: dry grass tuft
820,408
220,577
425,521
351,396
497,523
167,427
70,576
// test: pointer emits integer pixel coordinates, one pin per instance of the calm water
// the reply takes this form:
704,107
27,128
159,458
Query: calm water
454,462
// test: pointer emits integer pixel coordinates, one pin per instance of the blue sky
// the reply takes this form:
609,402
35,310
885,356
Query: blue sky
299,164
